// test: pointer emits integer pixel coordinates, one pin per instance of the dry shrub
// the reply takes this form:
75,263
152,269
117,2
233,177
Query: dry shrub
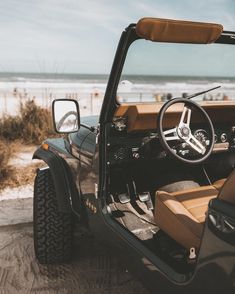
36,122
10,127
5,154
32,125
21,176
11,175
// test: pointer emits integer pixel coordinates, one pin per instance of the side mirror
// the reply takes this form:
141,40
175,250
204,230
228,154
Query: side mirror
66,115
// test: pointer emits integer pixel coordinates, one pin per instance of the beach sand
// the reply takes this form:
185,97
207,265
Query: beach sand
94,269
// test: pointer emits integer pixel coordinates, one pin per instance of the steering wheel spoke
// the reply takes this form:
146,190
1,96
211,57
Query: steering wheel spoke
173,133
186,116
196,144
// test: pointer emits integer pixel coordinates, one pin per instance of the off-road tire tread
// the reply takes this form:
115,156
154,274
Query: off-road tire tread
52,229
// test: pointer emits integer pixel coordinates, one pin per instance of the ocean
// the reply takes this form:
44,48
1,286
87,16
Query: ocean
44,88
89,89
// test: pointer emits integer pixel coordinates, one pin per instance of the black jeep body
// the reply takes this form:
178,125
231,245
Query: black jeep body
91,167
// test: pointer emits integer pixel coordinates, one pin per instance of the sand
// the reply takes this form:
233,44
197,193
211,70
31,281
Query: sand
93,270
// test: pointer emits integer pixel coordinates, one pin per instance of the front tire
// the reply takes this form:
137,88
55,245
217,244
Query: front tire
52,228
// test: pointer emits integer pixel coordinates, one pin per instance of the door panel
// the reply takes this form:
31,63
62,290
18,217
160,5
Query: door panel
218,243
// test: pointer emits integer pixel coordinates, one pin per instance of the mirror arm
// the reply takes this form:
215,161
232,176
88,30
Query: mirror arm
92,129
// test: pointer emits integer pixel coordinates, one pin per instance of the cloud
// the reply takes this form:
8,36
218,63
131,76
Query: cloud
84,34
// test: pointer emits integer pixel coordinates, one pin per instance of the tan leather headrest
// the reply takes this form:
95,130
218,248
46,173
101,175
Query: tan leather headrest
178,31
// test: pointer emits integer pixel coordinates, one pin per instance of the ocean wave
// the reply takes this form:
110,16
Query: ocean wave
176,87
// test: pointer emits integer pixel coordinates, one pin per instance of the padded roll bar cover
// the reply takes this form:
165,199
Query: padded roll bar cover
178,31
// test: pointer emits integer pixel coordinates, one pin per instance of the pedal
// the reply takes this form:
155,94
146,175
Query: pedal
145,197
124,198
149,204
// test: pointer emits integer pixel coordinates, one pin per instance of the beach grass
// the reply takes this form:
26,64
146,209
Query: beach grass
5,154
12,175
32,125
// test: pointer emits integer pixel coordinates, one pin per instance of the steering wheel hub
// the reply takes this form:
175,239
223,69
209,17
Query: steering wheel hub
183,132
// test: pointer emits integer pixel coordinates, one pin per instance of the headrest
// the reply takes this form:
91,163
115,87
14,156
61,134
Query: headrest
178,31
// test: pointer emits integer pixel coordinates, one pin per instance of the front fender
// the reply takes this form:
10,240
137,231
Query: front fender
60,175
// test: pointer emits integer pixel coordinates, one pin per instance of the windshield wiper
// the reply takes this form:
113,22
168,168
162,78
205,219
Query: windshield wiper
200,93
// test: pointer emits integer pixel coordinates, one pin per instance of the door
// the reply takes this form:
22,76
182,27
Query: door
217,254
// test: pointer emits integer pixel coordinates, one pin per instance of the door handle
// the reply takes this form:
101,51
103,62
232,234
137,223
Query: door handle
222,223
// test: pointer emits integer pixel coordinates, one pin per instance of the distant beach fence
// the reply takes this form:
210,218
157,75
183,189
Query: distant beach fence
90,103
90,100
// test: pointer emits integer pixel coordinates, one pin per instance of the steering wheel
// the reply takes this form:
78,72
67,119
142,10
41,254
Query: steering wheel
181,135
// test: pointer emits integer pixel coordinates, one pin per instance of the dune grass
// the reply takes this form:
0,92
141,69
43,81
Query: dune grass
5,154
32,125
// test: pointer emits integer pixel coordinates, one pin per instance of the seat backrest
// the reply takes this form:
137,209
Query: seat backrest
227,192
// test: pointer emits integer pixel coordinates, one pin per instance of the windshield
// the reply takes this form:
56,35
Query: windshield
157,72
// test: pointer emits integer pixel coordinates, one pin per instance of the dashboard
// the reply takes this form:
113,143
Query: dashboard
124,147
132,134
143,117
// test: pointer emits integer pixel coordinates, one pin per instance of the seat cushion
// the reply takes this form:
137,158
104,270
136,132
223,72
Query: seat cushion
182,214
179,186
218,184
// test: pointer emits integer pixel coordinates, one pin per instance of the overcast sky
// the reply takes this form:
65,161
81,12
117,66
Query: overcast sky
80,36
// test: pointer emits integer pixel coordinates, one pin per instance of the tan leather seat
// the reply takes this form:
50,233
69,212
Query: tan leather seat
219,184
182,214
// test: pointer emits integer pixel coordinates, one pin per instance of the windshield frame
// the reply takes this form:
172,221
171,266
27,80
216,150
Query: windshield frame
129,35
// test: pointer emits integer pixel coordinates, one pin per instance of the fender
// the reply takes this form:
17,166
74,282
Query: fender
65,187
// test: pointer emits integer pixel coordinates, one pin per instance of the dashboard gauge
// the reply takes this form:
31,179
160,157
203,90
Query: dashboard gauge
223,138
202,136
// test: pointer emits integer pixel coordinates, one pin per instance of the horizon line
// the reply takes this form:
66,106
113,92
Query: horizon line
107,74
